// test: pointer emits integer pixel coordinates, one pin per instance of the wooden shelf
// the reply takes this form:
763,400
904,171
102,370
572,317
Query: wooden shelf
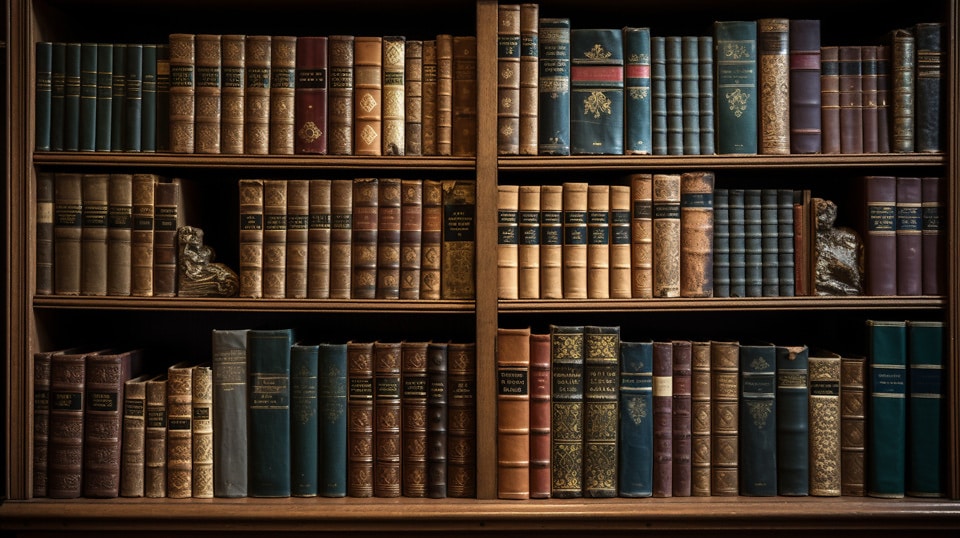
722,304
257,305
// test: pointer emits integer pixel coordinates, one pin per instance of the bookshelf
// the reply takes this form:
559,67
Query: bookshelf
35,322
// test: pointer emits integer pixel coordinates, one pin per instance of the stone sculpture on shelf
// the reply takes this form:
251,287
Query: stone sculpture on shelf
838,253
198,275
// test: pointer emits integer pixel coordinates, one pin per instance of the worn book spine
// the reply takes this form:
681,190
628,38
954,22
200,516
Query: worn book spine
45,233
551,241
529,77
368,95
431,238
909,236
298,240
386,418
638,138
666,235
934,245
598,241
596,91
620,261
880,234
903,63
256,99
134,430
707,96
87,137
413,98
830,99
826,416
464,122
575,234
104,98
66,423
701,406
167,218
163,97
209,88
180,430
773,63
94,240
283,81
566,410
682,424
853,435
539,389
310,96
304,419
71,99
868,87
274,264
202,482
601,411
753,242
513,412
641,233
658,91
429,111
332,419
41,420
721,242
508,202
737,88
119,233
363,277
528,242
58,78
182,93
554,87
360,438
758,420
725,376
413,415
926,393
149,96
341,238
251,237
318,239
673,58
635,451
690,93
769,243
411,233
155,443
887,408
233,60
696,234
883,98
340,95
458,256
738,249
793,426
851,99
228,351
462,420
437,419
508,79
662,419
393,88
786,250
804,81
928,85
67,232
268,424
389,224
43,93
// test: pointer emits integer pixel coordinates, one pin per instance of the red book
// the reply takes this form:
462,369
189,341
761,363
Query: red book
682,416
662,419
880,234
909,237
851,100
540,386
310,96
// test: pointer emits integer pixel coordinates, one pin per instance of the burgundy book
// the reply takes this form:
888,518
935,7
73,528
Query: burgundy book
851,99
662,419
540,386
883,98
909,237
830,99
934,238
805,131
880,234
682,417
868,72
310,96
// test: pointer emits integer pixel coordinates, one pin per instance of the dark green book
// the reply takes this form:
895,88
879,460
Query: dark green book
636,86
104,127
148,99
71,98
88,97
229,363
566,411
596,91
635,465
268,419
601,402
887,408
58,82
736,86
132,136
118,102
793,427
554,87
926,399
332,420
758,419
304,402
43,94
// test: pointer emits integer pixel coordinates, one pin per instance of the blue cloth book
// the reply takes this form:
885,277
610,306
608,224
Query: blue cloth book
554,127
268,418
637,97
636,419
332,420
793,427
596,92
304,375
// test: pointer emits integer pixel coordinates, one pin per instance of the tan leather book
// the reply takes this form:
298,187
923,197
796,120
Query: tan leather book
429,110
620,261
134,436
641,230
318,239
444,94
508,79
413,97
386,418
183,62
598,241
458,249
363,279
431,239
666,235
464,126
367,95
513,413
462,420
724,378
202,442
696,234
853,376
298,213
251,238
528,242
207,105
508,201
155,443
274,238
389,217
360,437
824,379
413,357
393,124
283,77
256,101
233,88
119,233
529,77
93,234
141,238
341,238
340,95
700,418
180,430
411,234
575,233
773,63
67,231
551,242
168,216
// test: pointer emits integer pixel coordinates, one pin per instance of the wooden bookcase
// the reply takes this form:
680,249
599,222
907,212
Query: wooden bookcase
36,323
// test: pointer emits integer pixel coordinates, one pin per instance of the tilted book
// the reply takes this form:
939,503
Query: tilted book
596,91
666,235
256,98
637,96
508,201
228,351
620,242
725,376
793,426
641,233
209,84
853,435
554,87
413,97
119,233
464,122
274,268
368,95
180,430
251,237
340,95
508,79
133,436
283,80
458,252
598,241
737,91
601,345
202,404
682,417
909,236
95,189
386,418
566,411
662,419
551,241
513,413
318,239
393,87
773,76
310,96
804,80
575,200
462,420
926,395
389,224
758,419
360,439
887,404
363,278
696,234
413,411
635,450
332,420
268,423
411,237
233,89
438,431
528,242
701,410
341,238
540,389
431,239
298,238
183,62
304,419
826,416
41,418
529,77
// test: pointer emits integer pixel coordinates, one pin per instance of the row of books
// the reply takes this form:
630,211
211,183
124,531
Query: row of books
266,416
583,412
765,86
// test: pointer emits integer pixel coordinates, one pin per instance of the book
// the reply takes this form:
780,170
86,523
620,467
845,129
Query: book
45,233
804,76
66,425
553,127
256,98
707,95
274,263
202,442
529,77
662,419
539,389
786,249
444,98
513,413
413,97
119,233
363,277
318,239
736,86
228,353
736,215
58,88
928,85
341,238
575,234
883,98
909,235
758,419
360,438
283,80
133,432
41,419
769,243
682,425
168,216
428,115
851,98
233,87
431,239
869,57
793,424
721,242
462,420
903,69
658,91
163,97
638,137
886,425
304,419
411,237
933,236
208,93
673,65
853,435
598,241
566,411
596,91
149,97
180,430
94,242
508,79
773,81
251,237
665,234
298,238
701,408
641,233
332,419
340,94
393,88
389,224
71,100
43,94
826,416
464,120
830,99
310,96
724,377
601,355
690,93
437,419
635,451
386,418
155,442
926,398
458,246
753,242
551,241
413,415
87,138
183,87
880,234
268,412
103,120
67,232
508,203
620,246
368,95
696,234
528,242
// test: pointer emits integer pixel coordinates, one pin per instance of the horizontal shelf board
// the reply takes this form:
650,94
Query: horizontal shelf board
178,160
723,304
235,304
612,162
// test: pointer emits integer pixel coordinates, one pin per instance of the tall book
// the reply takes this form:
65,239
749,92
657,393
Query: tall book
596,91
438,432
304,419
256,97
753,267
513,413
853,435
163,97
58,79
928,85
887,403
168,215
598,241
228,353
696,234
464,126
621,265
389,224
793,426
368,95
458,252
725,380
386,418
934,245
736,215
182,121
428,115
431,239
155,442
43,93
332,419
413,417
909,236
662,419
787,253
737,76
769,243
635,451
883,98
202,406
413,98
444,115
119,233
274,264
149,96
45,232
826,416
87,138
690,93
926,406
666,235
758,419
318,239
363,278
462,420
340,102
233,89
638,138
341,238
67,232
41,418
721,242
298,238
411,237
575,234
554,87
601,411
673,63
134,431
658,91
310,96
393,88
508,202
551,241
682,418
268,412
180,430
251,237
566,411
104,100
208,92
360,438
830,99
539,389
773,77
701,407
805,100
528,242
880,234
851,98
903,63
508,79
93,234
641,233
707,96
869,58
66,425
529,77
283,80
71,99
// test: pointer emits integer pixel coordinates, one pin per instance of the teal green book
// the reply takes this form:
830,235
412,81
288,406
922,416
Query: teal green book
58,83
596,91
132,136
926,402
637,97
88,97
43,94
268,418
758,419
104,119
554,87
736,86
71,99
793,426
118,102
304,402
635,457
887,408
332,420
148,99
566,411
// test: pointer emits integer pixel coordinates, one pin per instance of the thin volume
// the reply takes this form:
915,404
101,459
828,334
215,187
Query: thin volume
513,412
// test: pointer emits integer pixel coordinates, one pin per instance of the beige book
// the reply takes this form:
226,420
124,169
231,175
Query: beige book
575,240
620,262
666,235
528,242
155,442
598,241
251,238
134,436
825,422
180,430
773,77
119,233
641,231
209,81
529,77
393,123
283,76
696,234
182,92
318,239
368,95
202,431
232,90
256,113
274,238
507,243
298,212
551,242
95,195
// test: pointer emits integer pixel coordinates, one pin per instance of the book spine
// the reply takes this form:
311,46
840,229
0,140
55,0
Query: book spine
202,479
658,93
804,79
268,451
298,240
724,377
413,98
106,374
340,94
566,411
673,61
707,96
868,88
903,88
853,375
554,87
41,421
620,262
163,97
283,79
233,59
666,235
928,85
635,453
598,241
769,243
67,407
393,88
758,420
682,424
690,93
332,420
58,88
934,247
528,242
696,234
662,419
793,425
368,95
641,233
45,233
529,78
539,390
360,438
737,74
513,412
926,404
310,96
87,138
341,238
43,94
228,351
133,433
444,117
638,138
93,234
67,232
851,99
119,233
155,443
149,96
753,241
880,234
251,237
180,431
411,237
386,418
464,126
596,91
458,252
429,112
209,88
575,233
389,224
275,196
182,92
104,100
437,419
256,99
363,278
167,218
462,420
431,239
721,242
887,417
318,239
413,371
883,98
826,419
786,252
701,408
304,419
909,236
551,241
508,202
123,61
738,248
830,99
508,79
773,76
601,412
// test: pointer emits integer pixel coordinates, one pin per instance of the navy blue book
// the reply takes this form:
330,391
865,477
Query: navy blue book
596,91
674,70
758,419
304,373
690,92
637,98
793,427
268,418
43,89
636,419
88,97
753,242
554,127
332,420
738,249
721,243
658,91
706,95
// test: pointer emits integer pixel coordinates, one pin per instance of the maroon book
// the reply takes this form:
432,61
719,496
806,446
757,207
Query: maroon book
540,386
662,419
934,239
805,131
310,96
830,99
909,237
880,234
869,55
851,100
682,409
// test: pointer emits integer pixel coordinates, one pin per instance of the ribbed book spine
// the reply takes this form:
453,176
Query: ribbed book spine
600,410
637,95
737,90
554,126
596,91
635,453
566,405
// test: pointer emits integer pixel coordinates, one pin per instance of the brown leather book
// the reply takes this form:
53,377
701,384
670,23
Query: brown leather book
458,248
682,417
601,409
340,95
830,98
256,102
824,373
853,379
233,88
431,239
641,230
620,242
183,63
879,232
934,245
700,415
540,387
389,216
566,411
666,235
529,76
598,241
386,418
66,422
575,230
411,232
202,442
251,238
724,377
513,413
662,419
366,192
209,83
318,239
41,417
67,231
168,216
283,79
438,432
45,241
903,69
341,238
93,234
508,202
413,98
298,214
869,60
274,238
310,96
551,241
883,98
851,99
413,369
360,438
462,420
180,430
508,79
429,111
155,442
119,233
528,242
773,51
393,124
134,436
696,234
909,236
367,95
464,126
444,121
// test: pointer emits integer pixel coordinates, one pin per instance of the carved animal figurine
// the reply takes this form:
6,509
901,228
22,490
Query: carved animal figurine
199,275
838,266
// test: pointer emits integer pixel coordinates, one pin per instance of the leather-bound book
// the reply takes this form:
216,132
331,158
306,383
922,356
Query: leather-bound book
413,415
753,242
666,235
926,393
635,452
641,230
701,407
934,245
851,98
233,89
163,97
769,243
929,87
228,352
134,431
310,96
598,241
283,80
887,408
413,97
168,216
883,98
508,79
43,93
318,239
393,88
87,137
508,202
462,420
539,390
431,238
150,95
773,62
601,415
368,95
658,92
903,70
256,99
428,114
183,63
793,426
737,88
95,196
332,426
662,419
804,80
725,380
638,138
708,131
304,418
880,234
554,87
438,432
360,438
45,233
340,95
825,424
566,411
180,430
673,58
529,77
786,250
41,418
682,417
363,278
119,233
868,87
513,413
620,261
58,95
721,242
251,238
298,240
853,435
575,204
551,241
202,405
690,94
386,418
411,232
909,236
67,232
758,419
274,270
71,99
389,217
209,88
268,424
104,98
155,443
458,252
464,123
830,99
528,242
696,234
341,238
736,214
66,425
596,76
